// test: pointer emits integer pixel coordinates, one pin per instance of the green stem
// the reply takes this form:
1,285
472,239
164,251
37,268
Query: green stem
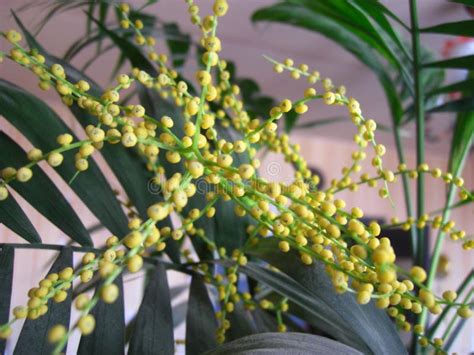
406,189
449,328
420,125
431,332
420,145
437,251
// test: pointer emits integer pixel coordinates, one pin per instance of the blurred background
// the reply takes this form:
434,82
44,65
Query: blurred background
326,147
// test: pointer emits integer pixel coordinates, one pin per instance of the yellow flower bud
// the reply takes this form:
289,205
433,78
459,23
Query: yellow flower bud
56,333
86,324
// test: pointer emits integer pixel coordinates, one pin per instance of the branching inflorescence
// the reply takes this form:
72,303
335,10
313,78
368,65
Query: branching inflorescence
310,221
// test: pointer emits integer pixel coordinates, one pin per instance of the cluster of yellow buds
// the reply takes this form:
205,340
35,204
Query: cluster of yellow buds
307,220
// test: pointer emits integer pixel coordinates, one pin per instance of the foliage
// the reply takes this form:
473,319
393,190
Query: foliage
265,257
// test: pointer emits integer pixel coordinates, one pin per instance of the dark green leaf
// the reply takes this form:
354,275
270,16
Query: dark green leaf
34,334
153,329
148,19
464,2
42,194
264,321
178,43
346,16
369,24
463,85
103,10
41,125
461,141
317,311
13,217
90,10
464,104
127,165
199,53
459,28
367,323
381,7
375,14
30,39
7,259
283,344
457,330
299,16
241,323
248,87
201,323
291,118
108,336
466,62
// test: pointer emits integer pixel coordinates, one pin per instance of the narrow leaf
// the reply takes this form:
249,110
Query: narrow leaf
42,194
109,334
153,328
370,324
178,43
92,187
34,334
291,118
464,2
127,165
201,323
13,217
293,14
463,85
7,259
381,7
283,344
41,125
457,330
317,312
133,53
461,141
464,104
466,62
264,321
460,28
345,15
241,323
397,48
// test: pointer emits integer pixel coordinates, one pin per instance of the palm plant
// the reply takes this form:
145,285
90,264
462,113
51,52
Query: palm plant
264,258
